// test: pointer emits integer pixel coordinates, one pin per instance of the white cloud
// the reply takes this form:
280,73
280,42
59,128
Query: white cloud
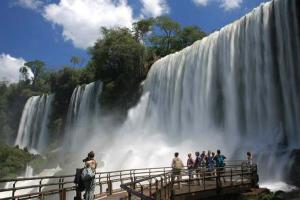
201,2
81,19
154,8
9,68
30,4
231,4
225,4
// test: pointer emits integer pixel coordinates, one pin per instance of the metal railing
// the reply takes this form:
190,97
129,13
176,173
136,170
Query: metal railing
163,186
107,183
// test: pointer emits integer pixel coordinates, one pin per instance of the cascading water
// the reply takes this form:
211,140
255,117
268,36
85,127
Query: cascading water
83,115
237,89
33,128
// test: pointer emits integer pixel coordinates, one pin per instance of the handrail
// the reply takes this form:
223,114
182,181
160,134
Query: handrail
168,183
64,183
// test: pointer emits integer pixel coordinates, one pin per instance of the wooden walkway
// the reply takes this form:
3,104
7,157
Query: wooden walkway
147,183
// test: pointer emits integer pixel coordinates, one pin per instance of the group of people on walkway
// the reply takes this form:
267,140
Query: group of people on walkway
202,163
210,163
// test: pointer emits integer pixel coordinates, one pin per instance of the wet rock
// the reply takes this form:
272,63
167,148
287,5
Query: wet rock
293,173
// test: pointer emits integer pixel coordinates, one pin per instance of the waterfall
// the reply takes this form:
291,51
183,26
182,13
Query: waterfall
28,171
237,90
83,114
33,127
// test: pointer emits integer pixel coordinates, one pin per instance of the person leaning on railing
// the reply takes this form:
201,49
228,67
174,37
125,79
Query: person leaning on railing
177,167
88,176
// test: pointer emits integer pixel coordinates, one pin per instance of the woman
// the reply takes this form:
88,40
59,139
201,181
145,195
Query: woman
190,165
89,174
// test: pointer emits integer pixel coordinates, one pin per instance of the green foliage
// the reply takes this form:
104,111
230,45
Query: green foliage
37,68
76,61
188,35
268,196
13,161
167,36
118,61
24,75
142,27
62,84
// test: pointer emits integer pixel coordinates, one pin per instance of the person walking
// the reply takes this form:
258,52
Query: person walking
177,166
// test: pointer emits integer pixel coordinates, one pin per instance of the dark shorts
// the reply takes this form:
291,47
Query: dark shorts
176,172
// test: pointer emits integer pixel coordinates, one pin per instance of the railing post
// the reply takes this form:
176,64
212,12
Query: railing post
204,180
109,184
231,177
161,187
14,189
40,188
100,184
142,189
242,175
60,190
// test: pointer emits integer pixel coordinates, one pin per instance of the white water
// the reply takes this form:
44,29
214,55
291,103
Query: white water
278,186
237,90
33,127
83,115
29,174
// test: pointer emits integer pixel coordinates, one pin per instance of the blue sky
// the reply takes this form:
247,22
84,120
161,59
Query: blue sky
54,30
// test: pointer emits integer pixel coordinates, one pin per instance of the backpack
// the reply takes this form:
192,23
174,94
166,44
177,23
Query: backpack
87,174
220,161
78,180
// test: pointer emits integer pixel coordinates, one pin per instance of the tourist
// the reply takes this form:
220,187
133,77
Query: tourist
213,154
203,163
220,164
209,162
177,166
88,175
249,159
190,165
197,165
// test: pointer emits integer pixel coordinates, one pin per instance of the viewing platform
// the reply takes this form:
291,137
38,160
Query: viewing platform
148,183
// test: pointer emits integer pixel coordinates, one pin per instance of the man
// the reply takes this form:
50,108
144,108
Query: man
220,164
177,166
197,165
190,165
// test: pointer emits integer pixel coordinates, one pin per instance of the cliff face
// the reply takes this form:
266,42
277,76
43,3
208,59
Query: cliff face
293,175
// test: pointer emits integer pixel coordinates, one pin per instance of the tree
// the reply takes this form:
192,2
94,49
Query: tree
142,27
165,40
188,35
24,75
119,62
76,60
37,68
